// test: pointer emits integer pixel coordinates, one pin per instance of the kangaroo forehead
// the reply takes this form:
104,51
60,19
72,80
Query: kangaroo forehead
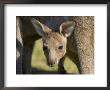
55,36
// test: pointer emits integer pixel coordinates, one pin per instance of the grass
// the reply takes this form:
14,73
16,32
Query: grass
39,61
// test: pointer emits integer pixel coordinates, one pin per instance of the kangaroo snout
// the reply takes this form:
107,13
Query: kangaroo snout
53,62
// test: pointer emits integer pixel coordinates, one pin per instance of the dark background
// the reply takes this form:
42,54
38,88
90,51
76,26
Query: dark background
56,1
2,49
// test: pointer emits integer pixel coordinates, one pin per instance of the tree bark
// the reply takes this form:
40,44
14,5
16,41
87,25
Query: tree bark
84,36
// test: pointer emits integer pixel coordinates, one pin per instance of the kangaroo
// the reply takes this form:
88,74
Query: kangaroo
54,41
74,38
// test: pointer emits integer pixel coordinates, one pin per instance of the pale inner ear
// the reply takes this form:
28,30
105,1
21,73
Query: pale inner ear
40,28
67,28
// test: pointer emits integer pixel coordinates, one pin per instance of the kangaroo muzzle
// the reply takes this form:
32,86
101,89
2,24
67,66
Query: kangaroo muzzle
52,59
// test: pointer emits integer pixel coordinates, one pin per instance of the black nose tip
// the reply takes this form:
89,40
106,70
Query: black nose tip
51,64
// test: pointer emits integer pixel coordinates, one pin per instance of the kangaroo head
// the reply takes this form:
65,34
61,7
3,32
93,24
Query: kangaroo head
54,43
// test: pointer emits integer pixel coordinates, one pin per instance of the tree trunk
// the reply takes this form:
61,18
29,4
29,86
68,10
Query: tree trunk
84,36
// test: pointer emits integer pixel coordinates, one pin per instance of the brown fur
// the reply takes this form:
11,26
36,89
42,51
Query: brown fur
54,40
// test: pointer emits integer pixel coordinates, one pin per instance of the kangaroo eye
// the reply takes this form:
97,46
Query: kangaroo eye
60,47
45,47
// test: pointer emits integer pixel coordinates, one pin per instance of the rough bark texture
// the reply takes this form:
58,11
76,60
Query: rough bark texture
84,36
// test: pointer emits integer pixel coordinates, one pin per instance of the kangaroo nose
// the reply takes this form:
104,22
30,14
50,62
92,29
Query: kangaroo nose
52,58
51,63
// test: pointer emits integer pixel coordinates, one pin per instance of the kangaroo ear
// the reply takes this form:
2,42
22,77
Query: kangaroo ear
39,27
67,28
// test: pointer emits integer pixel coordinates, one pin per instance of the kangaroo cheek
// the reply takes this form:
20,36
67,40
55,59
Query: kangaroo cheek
62,54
